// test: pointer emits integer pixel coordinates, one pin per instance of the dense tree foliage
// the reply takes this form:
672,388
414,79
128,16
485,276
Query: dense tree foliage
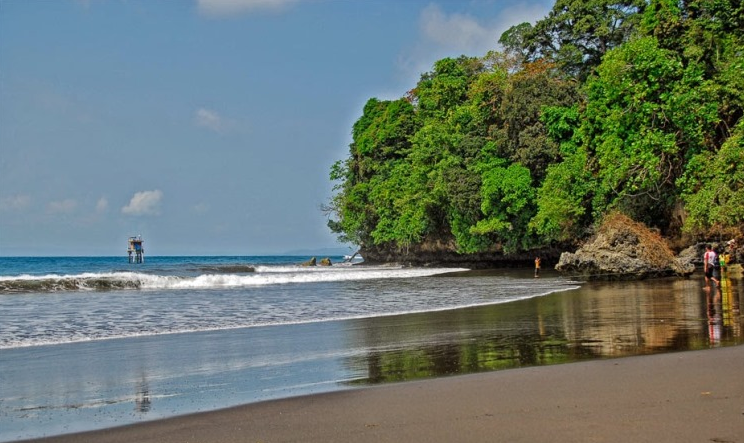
603,105
577,33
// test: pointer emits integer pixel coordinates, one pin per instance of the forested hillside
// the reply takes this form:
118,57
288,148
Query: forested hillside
603,105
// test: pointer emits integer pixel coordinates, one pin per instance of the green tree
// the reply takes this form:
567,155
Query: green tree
619,105
380,136
507,203
714,189
577,33
521,134
564,197
629,128
515,41
708,37
440,91
382,133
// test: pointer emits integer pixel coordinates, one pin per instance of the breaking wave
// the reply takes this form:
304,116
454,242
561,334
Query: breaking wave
241,276
224,269
81,282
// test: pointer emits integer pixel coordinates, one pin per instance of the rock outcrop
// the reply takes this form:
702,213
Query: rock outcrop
311,262
623,249
692,255
325,262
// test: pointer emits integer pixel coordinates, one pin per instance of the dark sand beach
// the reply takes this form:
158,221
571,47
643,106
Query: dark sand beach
695,396
656,360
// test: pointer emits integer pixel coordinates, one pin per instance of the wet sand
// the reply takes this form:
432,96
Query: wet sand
684,396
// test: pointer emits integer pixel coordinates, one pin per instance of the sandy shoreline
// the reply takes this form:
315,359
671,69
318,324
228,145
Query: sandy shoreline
685,396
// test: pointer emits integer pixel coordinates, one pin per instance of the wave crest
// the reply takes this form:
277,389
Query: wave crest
260,276
54,283
225,269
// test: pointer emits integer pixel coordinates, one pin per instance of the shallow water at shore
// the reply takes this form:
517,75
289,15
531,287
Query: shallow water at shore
48,390
600,320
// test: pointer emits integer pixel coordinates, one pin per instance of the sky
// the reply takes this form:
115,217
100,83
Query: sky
209,127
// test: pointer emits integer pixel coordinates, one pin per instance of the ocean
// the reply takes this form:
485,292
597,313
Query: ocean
95,342
56,300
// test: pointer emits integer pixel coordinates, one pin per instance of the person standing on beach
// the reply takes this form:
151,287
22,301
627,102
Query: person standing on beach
710,260
537,267
723,259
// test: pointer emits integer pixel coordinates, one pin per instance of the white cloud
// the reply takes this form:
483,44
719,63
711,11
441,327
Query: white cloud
457,31
212,120
451,35
218,8
102,205
522,12
200,208
15,203
144,203
207,118
62,206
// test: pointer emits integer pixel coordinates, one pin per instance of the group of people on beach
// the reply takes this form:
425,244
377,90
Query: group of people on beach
714,264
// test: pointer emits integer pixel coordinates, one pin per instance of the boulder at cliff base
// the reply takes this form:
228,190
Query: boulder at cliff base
623,249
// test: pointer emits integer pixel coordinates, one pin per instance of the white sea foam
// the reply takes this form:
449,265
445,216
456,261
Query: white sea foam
264,275
283,276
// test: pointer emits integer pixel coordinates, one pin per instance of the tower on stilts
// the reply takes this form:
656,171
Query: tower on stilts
135,250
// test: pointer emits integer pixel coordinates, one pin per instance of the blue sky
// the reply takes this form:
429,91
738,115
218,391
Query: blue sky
208,127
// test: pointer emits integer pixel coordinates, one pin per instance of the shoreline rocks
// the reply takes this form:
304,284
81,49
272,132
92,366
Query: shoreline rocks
624,249
314,262
311,262
325,262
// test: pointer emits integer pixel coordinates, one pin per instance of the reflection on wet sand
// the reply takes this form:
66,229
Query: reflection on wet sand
142,400
723,310
730,304
610,320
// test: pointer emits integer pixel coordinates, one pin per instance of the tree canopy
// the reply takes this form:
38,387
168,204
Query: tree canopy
603,105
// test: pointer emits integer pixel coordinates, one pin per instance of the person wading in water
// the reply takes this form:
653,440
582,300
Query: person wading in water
710,260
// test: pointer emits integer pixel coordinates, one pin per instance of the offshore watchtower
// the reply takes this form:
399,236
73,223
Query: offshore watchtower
135,250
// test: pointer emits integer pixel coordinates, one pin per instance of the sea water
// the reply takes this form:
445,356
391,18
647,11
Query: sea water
90,343
94,342
55,300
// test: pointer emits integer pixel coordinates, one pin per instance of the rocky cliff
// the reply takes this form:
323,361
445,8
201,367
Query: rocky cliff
620,249
436,252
